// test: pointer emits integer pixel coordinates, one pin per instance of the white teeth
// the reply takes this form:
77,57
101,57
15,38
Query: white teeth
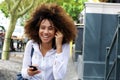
45,36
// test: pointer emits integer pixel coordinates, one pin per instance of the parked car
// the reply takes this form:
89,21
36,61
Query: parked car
2,34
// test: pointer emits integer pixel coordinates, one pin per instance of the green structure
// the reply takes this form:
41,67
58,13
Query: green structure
101,22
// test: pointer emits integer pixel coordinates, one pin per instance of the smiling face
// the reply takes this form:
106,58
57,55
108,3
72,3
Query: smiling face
46,31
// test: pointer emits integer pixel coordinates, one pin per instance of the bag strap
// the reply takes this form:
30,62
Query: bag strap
32,50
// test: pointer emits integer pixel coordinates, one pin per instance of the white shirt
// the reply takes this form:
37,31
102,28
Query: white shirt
52,66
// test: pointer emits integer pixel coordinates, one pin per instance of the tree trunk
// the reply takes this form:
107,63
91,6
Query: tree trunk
14,15
8,34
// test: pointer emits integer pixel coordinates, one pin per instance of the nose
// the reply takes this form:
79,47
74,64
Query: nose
46,30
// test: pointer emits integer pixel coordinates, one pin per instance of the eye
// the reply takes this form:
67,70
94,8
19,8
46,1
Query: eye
42,27
51,28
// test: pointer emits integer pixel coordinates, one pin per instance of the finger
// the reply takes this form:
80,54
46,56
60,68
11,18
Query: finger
30,69
31,73
35,65
58,33
36,72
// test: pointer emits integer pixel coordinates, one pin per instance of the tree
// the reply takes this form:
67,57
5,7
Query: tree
72,7
3,8
16,9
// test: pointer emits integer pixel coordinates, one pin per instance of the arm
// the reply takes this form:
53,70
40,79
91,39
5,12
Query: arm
27,71
61,61
26,60
61,57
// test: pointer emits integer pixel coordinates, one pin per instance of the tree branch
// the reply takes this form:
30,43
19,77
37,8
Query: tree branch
26,9
8,4
14,8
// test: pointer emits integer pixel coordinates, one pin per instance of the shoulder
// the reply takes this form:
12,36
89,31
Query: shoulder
30,43
66,49
66,45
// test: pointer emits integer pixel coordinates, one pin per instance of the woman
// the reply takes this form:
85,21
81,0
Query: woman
50,30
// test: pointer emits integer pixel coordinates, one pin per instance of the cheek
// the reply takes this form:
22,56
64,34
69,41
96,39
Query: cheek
53,33
39,32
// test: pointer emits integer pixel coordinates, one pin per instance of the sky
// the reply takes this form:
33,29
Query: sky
93,0
3,20
1,1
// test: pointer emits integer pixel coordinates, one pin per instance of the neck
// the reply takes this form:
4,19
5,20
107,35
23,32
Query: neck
44,48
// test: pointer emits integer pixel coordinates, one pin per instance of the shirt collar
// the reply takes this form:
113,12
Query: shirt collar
36,48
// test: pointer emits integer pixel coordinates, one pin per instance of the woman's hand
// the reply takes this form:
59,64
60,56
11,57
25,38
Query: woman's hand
32,72
59,39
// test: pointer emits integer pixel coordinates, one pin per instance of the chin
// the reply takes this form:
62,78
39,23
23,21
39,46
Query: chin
45,41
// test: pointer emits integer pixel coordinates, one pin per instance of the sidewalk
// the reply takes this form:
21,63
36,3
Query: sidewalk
15,63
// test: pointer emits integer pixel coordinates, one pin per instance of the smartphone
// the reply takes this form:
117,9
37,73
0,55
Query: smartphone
34,68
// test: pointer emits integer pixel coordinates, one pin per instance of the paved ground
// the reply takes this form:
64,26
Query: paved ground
14,64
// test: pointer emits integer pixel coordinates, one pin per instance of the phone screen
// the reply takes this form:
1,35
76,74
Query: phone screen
34,68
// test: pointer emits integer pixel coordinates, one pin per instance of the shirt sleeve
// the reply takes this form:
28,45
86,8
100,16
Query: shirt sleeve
26,60
60,63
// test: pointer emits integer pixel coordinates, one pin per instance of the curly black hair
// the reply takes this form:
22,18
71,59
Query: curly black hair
55,14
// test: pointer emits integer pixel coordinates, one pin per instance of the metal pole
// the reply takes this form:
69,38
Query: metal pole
107,62
117,68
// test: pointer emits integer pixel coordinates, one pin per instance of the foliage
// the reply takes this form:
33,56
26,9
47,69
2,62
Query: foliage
72,7
18,8
14,9
4,9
